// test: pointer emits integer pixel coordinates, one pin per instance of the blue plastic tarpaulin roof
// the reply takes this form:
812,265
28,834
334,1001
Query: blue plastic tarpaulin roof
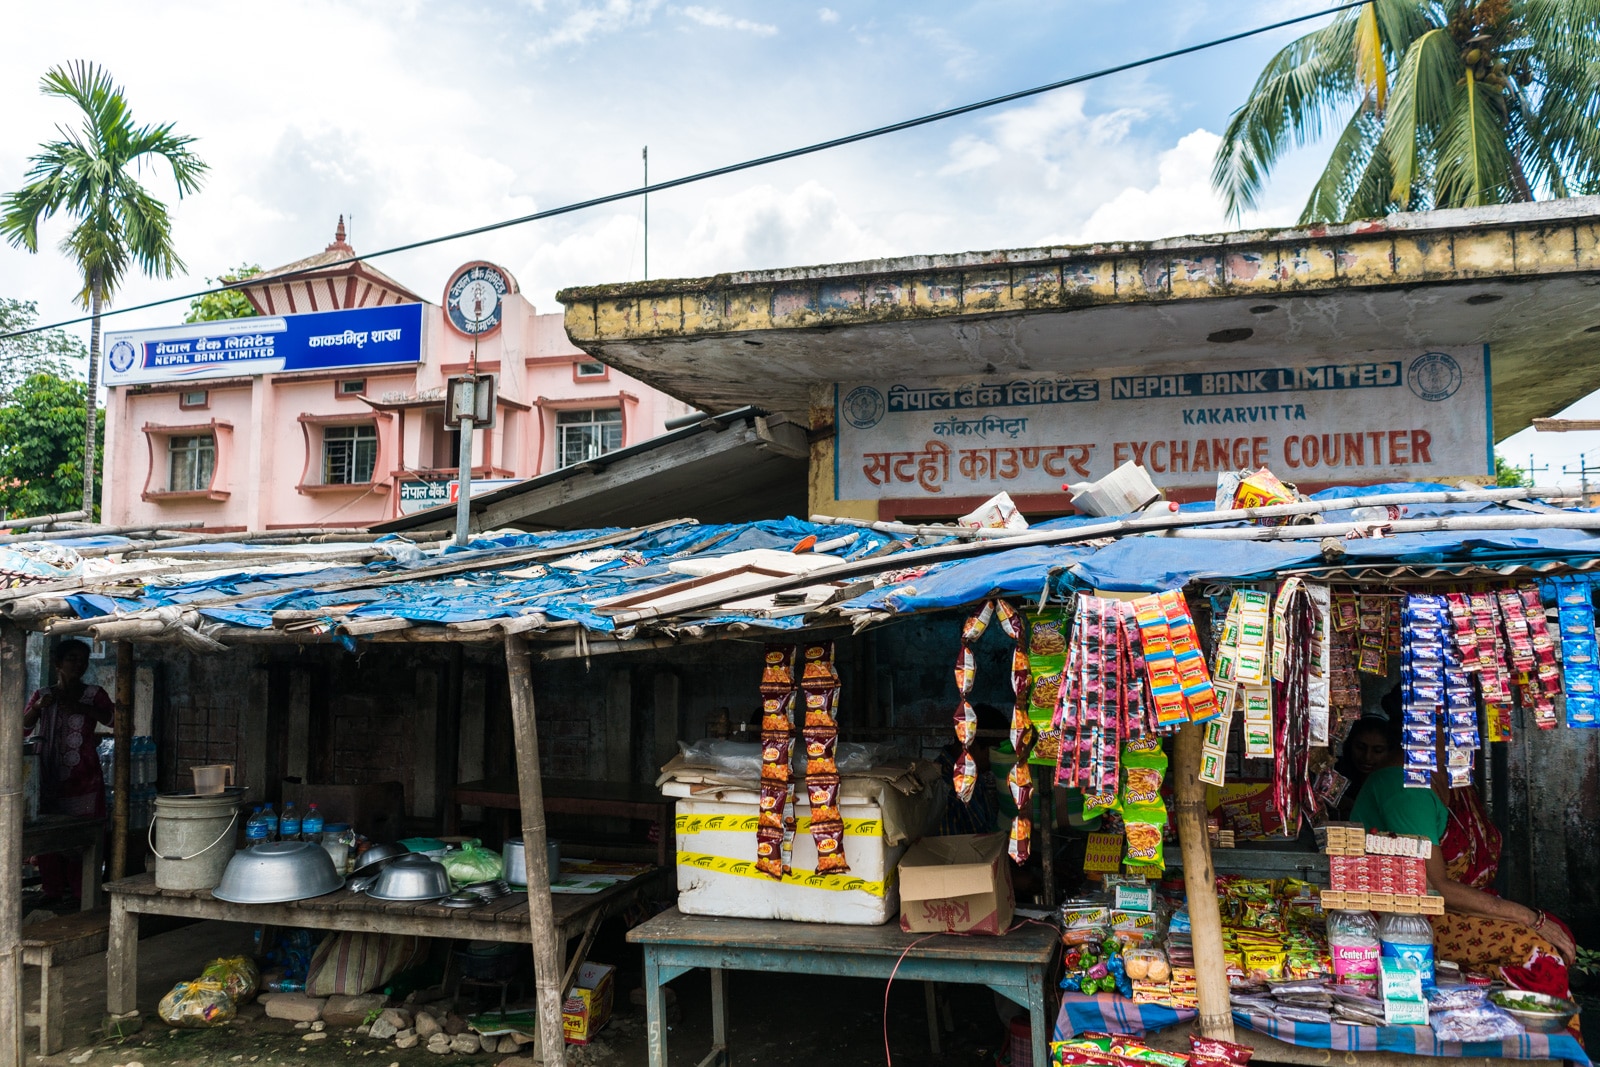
569,576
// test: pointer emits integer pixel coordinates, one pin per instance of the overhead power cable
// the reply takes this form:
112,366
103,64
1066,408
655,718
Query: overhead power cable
717,172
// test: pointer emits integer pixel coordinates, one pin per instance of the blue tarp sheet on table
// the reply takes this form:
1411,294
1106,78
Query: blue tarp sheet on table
1109,1013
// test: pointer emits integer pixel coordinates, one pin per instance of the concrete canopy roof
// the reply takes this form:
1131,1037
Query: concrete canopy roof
1524,279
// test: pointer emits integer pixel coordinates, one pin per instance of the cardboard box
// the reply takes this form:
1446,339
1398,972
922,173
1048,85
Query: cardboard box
1397,982
959,884
588,1006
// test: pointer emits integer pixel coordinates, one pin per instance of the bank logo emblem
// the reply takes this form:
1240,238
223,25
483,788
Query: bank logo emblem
122,357
864,407
1434,376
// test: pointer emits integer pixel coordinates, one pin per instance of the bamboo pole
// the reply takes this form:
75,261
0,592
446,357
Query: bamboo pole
541,911
91,531
42,520
1562,520
13,697
122,768
1200,885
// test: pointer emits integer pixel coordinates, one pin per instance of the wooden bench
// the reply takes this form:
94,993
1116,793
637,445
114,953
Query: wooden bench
59,940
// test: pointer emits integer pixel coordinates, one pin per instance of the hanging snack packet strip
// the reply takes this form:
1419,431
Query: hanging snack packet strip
1199,696
1422,685
1318,683
1580,673
1547,673
1139,718
1160,663
820,681
965,776
1020,782
1047,648
1293,793
778,693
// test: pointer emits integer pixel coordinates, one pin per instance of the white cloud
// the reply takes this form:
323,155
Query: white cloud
763,227
584,21
1181,201
827,14
721,20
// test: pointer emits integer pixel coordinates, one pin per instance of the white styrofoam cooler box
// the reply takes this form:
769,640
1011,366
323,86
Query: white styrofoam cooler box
717,870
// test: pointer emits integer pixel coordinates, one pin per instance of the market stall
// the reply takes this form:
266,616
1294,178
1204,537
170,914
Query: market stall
1046,602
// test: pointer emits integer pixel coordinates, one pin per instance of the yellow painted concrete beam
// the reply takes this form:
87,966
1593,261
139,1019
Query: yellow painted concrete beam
1526,241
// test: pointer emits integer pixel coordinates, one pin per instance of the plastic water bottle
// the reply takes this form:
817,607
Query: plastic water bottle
311,825
1353,944
270,818
289,823
1408,938
255,828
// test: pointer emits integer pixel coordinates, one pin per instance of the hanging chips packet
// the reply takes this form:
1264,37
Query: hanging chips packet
1144,813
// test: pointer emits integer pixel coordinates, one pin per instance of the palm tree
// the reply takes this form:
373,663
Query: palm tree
1443,103
90,174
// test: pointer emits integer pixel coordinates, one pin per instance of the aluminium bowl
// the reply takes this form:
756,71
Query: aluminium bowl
373,857
277,872
411,877
1552,1021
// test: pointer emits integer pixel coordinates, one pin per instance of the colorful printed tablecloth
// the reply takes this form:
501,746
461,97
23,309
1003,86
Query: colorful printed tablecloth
1109,1013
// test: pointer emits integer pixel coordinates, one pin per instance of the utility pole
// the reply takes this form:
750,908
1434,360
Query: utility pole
1533,472
468,407
647,213
1583,472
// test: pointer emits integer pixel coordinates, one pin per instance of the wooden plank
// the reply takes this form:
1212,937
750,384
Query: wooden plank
1025,944
13,698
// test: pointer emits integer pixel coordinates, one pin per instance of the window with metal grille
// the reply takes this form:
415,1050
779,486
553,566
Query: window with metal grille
191,460
348,454
583,435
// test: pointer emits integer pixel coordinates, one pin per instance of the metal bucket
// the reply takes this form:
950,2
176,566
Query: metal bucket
515,860
193,838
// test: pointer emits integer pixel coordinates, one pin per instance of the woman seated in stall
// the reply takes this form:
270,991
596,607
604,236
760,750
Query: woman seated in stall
1480,930
1366,748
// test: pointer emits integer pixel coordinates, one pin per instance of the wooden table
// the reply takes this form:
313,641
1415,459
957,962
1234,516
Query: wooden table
1016,965
505,919
572,796
70,833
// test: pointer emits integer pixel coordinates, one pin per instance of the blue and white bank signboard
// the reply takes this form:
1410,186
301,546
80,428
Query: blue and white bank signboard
327,340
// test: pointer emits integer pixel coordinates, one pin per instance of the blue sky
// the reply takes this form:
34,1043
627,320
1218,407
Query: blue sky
419,118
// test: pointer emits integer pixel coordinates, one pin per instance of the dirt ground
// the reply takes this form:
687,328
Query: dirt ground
777,1020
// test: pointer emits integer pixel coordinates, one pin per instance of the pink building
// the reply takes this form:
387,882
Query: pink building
328,408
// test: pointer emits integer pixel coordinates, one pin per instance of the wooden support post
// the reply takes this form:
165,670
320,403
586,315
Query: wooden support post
541,912
122,766
13,697
1200,885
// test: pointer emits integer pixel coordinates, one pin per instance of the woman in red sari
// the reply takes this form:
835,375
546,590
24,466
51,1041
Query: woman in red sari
70,782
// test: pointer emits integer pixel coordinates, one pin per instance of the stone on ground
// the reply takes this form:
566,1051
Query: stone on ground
295,1007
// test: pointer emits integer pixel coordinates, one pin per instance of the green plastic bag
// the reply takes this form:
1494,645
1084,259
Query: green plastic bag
473,863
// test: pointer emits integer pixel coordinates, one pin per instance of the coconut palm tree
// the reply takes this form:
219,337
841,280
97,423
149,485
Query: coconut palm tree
91,175
1440,103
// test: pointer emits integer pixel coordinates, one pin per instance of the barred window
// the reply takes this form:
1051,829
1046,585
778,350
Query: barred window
349,454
